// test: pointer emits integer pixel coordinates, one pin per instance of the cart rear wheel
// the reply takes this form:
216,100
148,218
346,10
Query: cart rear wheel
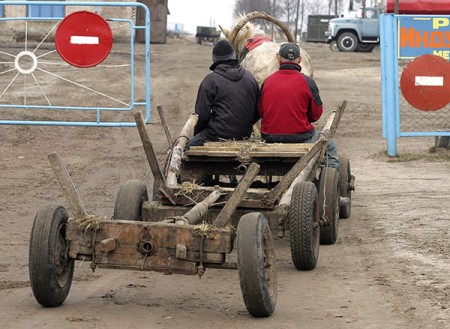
345,174
256,265
129,200
304,226
50,268
329,195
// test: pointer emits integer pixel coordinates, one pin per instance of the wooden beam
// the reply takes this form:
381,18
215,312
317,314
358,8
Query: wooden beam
286,181
152,159
177,151
286,197
165,126
227,211
70,193
196,214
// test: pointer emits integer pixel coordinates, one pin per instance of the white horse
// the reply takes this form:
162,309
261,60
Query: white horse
256,51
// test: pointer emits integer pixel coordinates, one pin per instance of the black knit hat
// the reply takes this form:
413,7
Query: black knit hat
223,51
290,51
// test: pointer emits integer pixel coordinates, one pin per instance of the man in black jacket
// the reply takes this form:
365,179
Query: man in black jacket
227,99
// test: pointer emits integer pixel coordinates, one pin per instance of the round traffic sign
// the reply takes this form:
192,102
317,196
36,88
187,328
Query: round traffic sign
83,39
425,82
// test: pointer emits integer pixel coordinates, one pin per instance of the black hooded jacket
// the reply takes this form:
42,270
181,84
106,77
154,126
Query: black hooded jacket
227,102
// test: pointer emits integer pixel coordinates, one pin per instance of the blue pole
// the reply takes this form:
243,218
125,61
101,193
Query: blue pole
389,65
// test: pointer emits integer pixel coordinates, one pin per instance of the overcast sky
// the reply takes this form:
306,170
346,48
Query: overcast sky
195,13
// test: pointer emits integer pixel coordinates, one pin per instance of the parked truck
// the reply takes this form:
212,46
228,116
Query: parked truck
358,27
360,33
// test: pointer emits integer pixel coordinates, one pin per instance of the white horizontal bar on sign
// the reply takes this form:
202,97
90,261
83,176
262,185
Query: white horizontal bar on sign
429,81
83,40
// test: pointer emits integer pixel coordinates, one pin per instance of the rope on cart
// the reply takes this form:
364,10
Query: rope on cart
91,224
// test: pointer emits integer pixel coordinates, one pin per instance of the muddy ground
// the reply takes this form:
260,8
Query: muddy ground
390,267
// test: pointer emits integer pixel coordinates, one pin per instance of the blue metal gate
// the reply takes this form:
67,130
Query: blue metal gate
46,11
37,87
400,118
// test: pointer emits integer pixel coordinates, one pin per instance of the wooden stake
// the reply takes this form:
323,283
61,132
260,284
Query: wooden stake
70,193
195,215
152,159
177,152
227,211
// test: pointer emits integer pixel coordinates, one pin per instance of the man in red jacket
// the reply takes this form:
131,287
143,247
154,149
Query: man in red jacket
290,103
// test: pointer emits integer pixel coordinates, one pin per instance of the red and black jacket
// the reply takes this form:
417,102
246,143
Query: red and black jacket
289,102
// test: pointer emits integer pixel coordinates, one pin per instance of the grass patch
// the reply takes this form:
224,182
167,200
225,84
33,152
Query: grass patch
432,155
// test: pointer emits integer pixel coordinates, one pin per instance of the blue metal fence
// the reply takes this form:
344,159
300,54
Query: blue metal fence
400,119
46,11
37,87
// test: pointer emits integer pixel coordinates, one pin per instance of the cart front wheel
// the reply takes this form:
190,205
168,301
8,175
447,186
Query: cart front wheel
256,265
304,226
129,200
329,204
50,268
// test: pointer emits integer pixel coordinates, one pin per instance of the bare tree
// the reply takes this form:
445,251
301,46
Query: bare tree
271,7
247,6
293,13
288,9
315,7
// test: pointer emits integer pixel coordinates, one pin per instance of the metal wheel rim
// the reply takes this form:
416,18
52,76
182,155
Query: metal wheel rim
347,43
269,262
62,262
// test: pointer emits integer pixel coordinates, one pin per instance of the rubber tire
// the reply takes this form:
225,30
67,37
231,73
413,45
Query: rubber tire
303,215
365,47
50,282
256,265
345,210
329,180
129,200
347,42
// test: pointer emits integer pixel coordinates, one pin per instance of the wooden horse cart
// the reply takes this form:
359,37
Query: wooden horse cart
206,203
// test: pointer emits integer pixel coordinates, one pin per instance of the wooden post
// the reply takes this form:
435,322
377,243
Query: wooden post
286,197
286,181
70,193
194,215
177,152
227,211
152,159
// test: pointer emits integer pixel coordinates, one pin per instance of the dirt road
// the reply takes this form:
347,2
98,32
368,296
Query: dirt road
390,267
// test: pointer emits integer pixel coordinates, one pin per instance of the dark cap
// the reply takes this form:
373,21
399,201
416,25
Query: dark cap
289,51
223,51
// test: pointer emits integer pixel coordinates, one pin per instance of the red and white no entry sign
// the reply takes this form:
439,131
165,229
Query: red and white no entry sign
83,39
425,82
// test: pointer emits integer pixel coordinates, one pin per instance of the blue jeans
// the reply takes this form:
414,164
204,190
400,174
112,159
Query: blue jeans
332,159
199,140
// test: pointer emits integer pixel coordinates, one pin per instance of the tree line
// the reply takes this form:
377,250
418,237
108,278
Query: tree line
293,13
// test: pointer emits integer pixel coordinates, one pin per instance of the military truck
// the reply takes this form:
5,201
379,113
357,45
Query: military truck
361,33
207,33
